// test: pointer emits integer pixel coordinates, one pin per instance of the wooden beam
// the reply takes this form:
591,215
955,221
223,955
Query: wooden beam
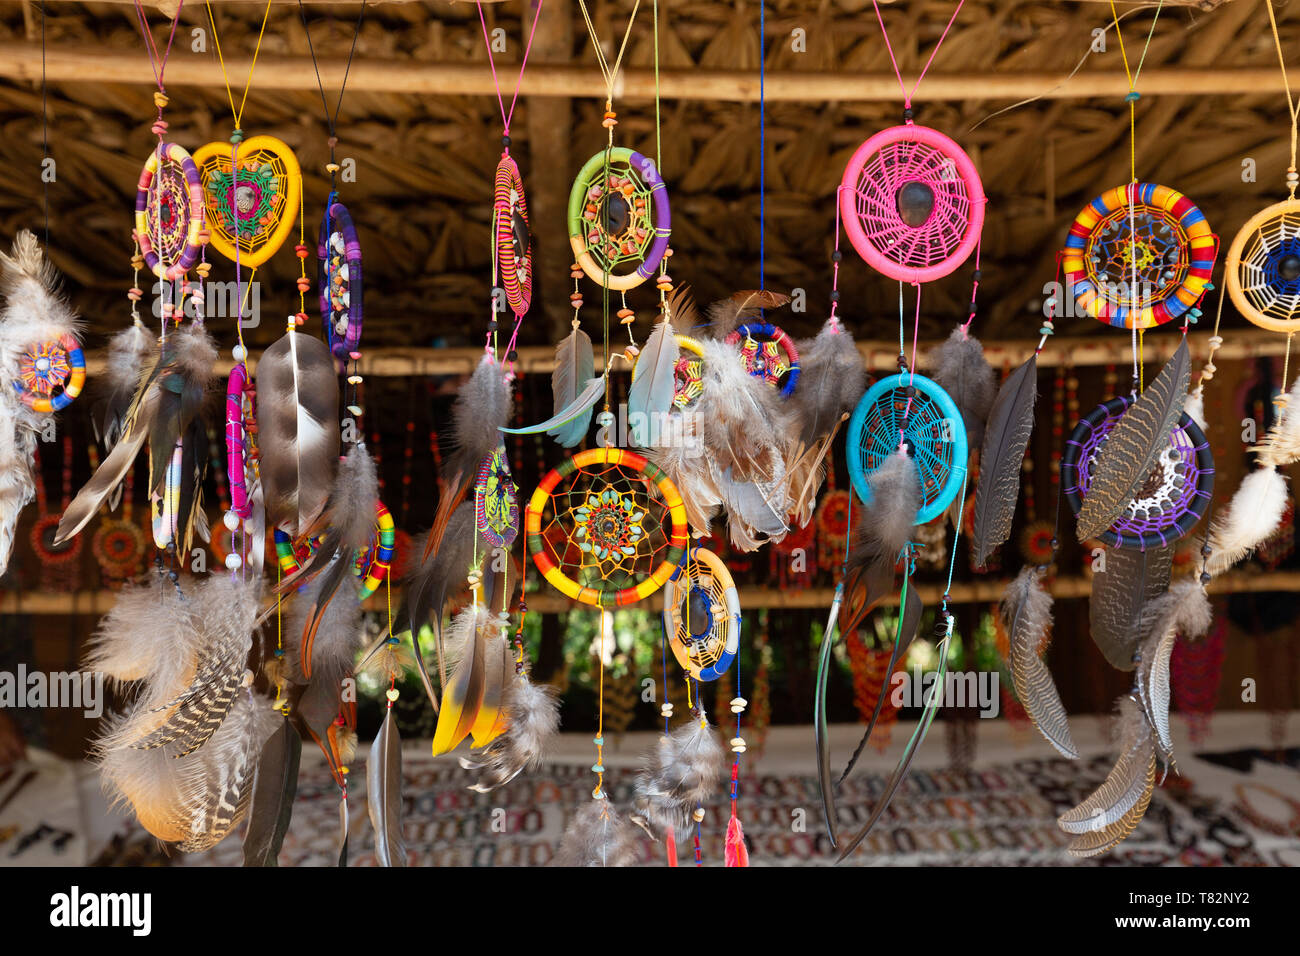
79,64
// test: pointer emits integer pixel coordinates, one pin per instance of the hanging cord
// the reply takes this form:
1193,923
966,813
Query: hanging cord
907,97
506,115
238,113
609,73
156,62
1292,109
331,122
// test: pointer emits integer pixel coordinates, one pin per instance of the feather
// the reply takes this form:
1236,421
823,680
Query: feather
735,853
466,658
805,472
490,721
1128,780
298,430
320,644
740,415
1129,452
533,715
650,396
690,470
1253,515
755,509
1281,446
342,851
255,529
739,307
574,364
577,412
1026,612
275,784
932,705
129,353
832,380
1185,610
682,311
17,467
596,836
384,793
349,525
681,773
890,517
909,623
1094,844
1119,592
1010,423
166,403
821,733
960,369
431,582
481,409
1195,407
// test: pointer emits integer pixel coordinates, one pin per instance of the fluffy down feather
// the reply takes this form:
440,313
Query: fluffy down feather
739,308
1253,515
886,525
597,836
1281,446
18,430
690,470
533,715
129,354
740,415
959,366
683,771
832,380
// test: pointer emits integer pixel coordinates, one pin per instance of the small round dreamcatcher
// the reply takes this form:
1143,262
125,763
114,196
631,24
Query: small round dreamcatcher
372,563
619,218
496,501
254,204
1174,496
688,373
51,374
912,203
514,248
1263,268
769,353
169,212
606,527
339,253
914,410
1140,233
702,615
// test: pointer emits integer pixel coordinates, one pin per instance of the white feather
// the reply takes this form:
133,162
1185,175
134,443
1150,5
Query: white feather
1254,514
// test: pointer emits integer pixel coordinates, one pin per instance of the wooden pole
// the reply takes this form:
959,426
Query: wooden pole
80,64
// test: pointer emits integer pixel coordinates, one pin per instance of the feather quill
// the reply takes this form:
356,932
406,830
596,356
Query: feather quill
1119,593
683,772
650,396
533,715
1010,423
740,307
1026,612
1127,456
384,793
1253,515
275,783
832,380
596,836
298,430
575,365
1124,786
960,369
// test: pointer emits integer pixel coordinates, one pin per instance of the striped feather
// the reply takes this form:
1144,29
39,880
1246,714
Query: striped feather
1026,612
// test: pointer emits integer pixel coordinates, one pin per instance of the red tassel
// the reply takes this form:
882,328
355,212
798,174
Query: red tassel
671,841
736,854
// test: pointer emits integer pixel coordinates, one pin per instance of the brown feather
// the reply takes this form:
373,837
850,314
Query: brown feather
1010,424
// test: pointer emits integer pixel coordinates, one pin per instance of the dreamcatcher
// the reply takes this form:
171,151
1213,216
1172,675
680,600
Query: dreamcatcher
702,616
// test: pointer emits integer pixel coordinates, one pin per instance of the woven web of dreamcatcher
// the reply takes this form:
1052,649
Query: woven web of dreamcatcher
1155,243
167,211
878,184
929,436
261,175
616,512
1259,273
617,231
1175,494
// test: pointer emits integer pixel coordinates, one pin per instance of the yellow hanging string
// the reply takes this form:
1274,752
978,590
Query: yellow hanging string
216,40
1286,84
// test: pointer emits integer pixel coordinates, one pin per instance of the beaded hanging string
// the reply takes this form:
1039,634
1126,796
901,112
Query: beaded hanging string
493,345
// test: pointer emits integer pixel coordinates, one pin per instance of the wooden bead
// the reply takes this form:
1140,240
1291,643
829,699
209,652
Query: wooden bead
137,261
300,251
203,268
303,283
332,168
160,99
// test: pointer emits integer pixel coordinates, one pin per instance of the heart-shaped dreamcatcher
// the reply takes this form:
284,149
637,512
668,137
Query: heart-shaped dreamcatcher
254,204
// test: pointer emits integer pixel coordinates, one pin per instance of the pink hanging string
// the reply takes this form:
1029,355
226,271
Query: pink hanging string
158,64
507,116
907,97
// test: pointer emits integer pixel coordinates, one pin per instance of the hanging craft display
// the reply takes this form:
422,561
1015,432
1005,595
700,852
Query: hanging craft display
496,501
371,565
912,203
51,374
1174,496
914,411
769,353
512,234
1139,256
606,527
619,219
702,615
339,251
169,212
252,201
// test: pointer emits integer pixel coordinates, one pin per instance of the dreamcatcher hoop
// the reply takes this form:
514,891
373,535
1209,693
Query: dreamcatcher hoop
688,373
496,500
1174,248
371,565
512,233
611,527
709,644
51,374
912,203
169,211
259,210
932,427
641,215
1175,495
339,254
1263,268
768,352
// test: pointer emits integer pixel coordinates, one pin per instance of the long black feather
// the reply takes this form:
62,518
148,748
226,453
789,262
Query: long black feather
274,786
1010,424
